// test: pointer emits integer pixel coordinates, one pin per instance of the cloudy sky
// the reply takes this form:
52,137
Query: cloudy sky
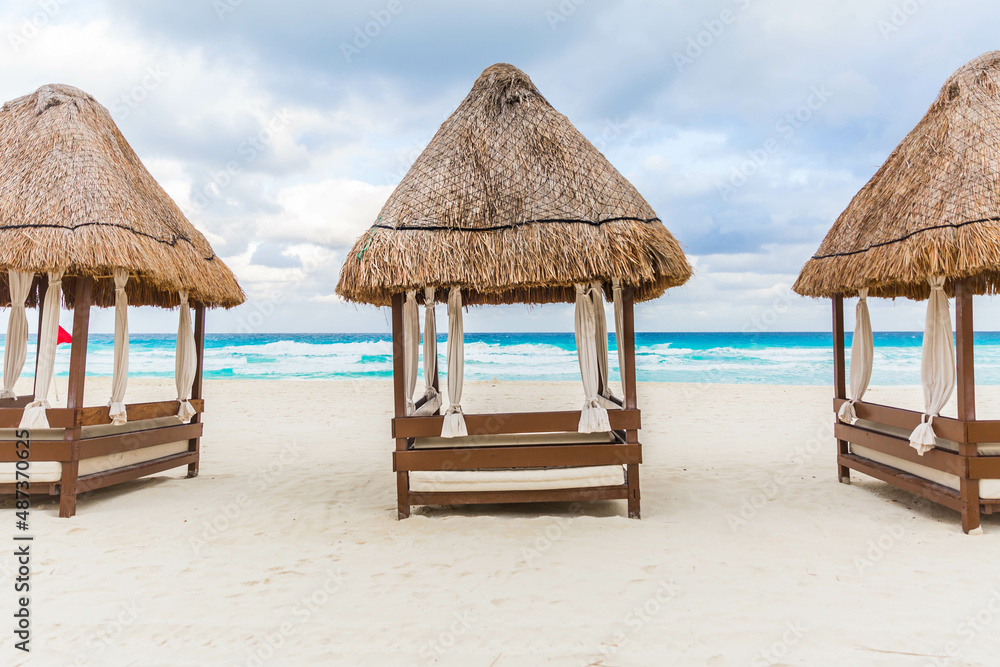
281,127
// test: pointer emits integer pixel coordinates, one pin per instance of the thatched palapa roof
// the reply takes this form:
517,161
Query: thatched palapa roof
932,209
74,195
512,204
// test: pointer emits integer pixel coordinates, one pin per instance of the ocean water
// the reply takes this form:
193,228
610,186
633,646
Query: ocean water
769,358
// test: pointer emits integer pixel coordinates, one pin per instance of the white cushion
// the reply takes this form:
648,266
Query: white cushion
529,479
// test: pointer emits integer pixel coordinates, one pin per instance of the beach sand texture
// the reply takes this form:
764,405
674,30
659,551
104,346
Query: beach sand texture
286,550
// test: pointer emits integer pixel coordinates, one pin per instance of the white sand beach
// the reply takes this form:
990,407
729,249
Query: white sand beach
286,550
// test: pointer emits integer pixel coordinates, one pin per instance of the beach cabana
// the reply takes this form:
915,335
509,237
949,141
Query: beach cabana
926,226
83,224
508,204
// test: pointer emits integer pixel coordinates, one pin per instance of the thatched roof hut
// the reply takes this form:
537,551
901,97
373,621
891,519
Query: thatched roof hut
512,204
933,209
74,195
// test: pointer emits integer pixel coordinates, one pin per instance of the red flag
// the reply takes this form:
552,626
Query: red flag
64,337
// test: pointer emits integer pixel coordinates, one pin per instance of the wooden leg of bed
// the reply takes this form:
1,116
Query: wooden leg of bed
67,489
402,495
633,490
843,472
970,509
194,445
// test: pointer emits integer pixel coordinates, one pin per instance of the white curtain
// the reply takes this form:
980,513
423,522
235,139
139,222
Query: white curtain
601,339
119,377
862,353
432,397
593,416
616,290
16,347
34,412
185,361
411,347
454,419
937,365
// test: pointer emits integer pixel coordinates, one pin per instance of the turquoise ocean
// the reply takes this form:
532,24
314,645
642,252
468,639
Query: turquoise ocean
769,358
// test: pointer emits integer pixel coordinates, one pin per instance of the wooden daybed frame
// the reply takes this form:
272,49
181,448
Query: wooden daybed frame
967,431
625,423
75,448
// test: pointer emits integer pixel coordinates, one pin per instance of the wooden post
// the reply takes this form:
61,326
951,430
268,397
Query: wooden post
964,356
399,402
194,444
840,378
627,367
74,393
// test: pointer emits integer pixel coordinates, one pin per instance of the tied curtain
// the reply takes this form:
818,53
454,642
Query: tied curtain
34,413
862,354
937,365
16,348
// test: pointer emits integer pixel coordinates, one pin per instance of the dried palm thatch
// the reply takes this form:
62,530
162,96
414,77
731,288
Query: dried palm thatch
512,204
74,195
932,209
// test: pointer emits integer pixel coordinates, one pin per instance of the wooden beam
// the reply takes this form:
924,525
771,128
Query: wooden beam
78,351
964,353
965,371
58,417
945,427
938,459
41,450
194,444
101,415
399,404
941,495
627,365
839,352
119,475
74,392
980,431
984,467
126,442
840,379
512,422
